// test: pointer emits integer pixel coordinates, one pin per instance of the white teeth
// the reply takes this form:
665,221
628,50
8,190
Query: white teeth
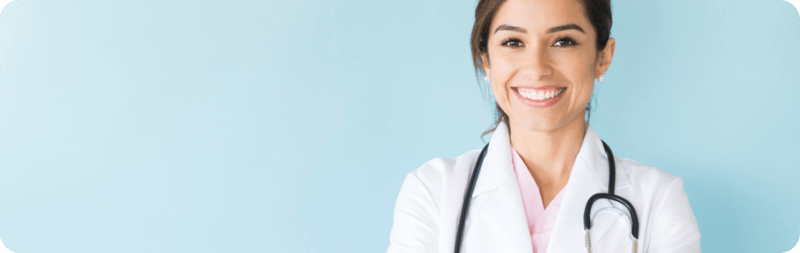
540,95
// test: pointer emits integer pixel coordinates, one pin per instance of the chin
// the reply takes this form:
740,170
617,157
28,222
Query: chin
540,124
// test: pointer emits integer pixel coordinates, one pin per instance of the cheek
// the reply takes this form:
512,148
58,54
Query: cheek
501,94
502,69
581,72
583,93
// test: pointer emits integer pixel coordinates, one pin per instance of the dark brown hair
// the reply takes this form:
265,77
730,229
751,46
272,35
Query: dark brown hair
598,12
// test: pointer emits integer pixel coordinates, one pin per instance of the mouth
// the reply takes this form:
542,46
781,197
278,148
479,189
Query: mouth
539,96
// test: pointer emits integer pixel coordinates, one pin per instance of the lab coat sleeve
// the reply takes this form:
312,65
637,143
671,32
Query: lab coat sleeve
674,226
416,215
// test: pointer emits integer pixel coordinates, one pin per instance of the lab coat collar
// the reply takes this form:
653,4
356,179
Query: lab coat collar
497,163
504,209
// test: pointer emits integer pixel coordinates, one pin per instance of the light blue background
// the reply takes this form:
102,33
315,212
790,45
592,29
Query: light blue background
288,126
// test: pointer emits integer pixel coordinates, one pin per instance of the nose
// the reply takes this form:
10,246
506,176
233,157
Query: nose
537,63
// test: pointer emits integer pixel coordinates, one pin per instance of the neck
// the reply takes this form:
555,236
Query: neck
549,155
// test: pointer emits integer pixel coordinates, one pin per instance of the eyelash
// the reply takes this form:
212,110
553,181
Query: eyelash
567,40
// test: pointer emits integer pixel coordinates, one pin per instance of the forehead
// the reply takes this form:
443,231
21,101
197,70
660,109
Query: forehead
539,15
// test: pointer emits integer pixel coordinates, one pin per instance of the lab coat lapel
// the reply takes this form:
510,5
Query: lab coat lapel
589,175
497,220
502,213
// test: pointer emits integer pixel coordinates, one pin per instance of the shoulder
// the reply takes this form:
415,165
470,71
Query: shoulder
654,187
427,194
423,204
662,193
664,205
436,182
644,176
440,169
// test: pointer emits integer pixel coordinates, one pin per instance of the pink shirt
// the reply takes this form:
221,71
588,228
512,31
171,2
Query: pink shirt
540,220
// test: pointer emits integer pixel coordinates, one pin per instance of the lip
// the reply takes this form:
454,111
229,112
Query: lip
546,87
542,103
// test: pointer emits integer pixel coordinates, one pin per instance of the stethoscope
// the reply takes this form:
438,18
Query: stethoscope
587,222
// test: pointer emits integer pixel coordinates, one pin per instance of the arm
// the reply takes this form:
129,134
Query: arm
674,228
416,215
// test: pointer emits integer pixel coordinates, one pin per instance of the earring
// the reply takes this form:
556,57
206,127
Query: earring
486,79
601,78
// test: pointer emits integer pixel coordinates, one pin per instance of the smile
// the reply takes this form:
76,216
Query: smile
540,96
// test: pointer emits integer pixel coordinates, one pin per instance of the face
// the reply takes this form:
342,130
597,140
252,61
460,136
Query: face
542,62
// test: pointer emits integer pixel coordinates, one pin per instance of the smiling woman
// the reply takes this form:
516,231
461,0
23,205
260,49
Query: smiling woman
545,182
563,44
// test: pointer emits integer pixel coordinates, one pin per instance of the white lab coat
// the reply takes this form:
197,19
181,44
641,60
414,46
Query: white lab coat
429,204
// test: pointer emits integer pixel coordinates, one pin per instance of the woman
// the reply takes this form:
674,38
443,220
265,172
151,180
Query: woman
544,161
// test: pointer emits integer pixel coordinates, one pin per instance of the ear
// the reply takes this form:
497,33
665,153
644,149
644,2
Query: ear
485,64
604,59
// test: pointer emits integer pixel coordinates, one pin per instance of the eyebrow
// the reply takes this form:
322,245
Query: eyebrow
551,30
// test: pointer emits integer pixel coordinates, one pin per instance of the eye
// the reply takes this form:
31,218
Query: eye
512,42
565,41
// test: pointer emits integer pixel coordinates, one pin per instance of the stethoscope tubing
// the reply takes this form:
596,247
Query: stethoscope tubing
587,222
467,197
612,174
